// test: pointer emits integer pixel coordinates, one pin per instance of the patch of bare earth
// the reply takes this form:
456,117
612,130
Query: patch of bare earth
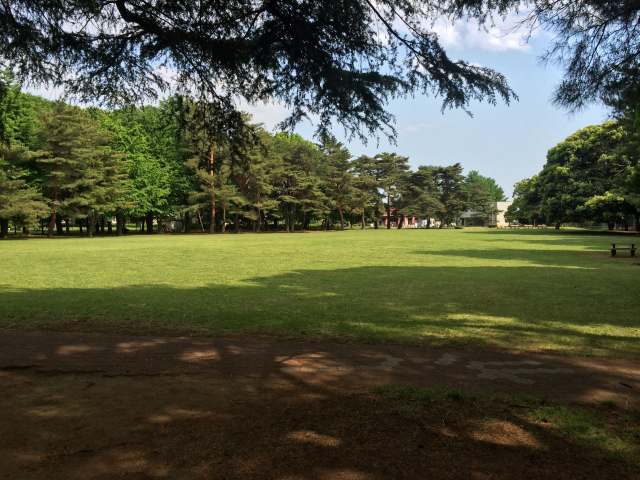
89,406
90,426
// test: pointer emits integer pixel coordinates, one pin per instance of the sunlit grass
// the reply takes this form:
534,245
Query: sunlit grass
616,435
524,290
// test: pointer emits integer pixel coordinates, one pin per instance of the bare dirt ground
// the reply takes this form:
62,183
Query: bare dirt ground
76,406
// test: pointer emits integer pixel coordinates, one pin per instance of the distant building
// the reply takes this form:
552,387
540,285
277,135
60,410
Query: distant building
471,218
429,223
408,221
394,219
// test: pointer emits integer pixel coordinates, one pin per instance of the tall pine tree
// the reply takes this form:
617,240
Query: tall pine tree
81,174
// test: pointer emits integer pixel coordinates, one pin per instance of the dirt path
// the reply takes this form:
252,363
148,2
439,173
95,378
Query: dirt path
104,406
341,366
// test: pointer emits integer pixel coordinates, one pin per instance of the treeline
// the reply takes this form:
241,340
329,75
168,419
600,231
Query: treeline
592,177
63,166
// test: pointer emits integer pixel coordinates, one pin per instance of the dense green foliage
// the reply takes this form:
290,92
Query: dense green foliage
173,166
590,177
335,60
522,289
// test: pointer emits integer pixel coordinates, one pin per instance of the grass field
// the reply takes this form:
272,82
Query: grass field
519,289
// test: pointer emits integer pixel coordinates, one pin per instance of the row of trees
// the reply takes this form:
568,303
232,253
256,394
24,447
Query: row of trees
63,166
593,176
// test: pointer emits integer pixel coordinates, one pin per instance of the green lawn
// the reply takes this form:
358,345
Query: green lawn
522,289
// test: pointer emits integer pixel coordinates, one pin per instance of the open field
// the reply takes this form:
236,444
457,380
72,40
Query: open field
520,289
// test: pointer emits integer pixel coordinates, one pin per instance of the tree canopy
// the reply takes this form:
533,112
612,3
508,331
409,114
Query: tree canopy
336,60
591,176
69,167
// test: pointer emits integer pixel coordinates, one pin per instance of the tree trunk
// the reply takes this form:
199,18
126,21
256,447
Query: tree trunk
119,224
610,226
80,225
212,214
200,220
58,225
102,223
557,226
212,199
110,226
341,219
53,219
388,211
236,223
401,220
149,221
4,227
91,224
637,219
66,224
362,221
224,219
187,222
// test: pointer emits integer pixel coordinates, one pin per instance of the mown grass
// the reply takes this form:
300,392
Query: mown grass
519,289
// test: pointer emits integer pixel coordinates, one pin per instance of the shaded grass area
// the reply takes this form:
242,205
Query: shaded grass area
610,431
520,289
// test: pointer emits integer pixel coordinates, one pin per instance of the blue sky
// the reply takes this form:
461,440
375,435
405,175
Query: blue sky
507,143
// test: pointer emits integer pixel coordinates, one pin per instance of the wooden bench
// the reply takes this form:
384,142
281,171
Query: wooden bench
631,248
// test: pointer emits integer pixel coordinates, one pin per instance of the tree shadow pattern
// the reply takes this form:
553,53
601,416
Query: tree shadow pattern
550,304
266,423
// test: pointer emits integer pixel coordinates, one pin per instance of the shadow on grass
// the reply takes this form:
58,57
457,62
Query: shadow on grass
588,239
578,310
579,259
548,231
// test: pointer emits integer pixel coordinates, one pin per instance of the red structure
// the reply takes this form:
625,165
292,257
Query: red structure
394,218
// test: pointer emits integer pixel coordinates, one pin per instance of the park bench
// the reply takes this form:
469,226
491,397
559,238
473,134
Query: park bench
631,248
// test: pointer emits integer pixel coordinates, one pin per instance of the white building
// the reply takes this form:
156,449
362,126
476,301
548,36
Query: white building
471,218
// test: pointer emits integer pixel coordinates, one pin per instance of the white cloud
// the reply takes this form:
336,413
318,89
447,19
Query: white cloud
269,113
501,36
168,74
45,91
